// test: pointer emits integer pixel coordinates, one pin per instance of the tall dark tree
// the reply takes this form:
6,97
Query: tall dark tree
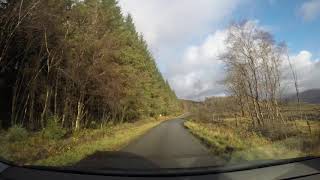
79,62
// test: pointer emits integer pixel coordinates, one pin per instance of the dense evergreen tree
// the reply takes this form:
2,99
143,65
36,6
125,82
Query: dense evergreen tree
78,61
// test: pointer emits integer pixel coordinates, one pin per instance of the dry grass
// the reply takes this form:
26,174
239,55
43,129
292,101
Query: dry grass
309,111
36,150
233,140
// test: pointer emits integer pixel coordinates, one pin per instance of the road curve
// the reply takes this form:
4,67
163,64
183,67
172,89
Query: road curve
169,145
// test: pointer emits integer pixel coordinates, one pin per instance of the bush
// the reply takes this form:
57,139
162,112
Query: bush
278,131
17,133
53,130
93,125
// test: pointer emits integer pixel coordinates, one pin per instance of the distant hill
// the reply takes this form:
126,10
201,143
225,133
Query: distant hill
311,96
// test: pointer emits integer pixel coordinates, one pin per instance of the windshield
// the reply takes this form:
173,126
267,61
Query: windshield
140,84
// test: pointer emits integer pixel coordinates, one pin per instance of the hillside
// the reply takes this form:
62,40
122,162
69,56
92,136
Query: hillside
78,63
311,96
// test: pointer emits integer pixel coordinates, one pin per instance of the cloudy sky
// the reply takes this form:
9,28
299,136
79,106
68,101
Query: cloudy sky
187,36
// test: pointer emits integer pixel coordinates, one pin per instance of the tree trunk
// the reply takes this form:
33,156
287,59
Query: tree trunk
44,111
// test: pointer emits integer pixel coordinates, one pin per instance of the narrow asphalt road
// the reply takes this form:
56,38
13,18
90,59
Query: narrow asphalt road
169,145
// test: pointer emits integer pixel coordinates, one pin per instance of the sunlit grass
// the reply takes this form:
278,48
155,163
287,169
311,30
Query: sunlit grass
237,143
36,150
118,139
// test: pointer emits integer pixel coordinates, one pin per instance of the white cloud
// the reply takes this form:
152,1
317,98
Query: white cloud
308,71
166,22
198,74
170,26
172,29
310,10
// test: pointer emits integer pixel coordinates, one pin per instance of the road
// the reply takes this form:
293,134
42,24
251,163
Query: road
169,145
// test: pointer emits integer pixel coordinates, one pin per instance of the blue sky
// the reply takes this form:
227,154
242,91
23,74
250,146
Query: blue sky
284,18
186,37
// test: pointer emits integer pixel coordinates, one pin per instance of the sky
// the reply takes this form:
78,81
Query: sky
186,38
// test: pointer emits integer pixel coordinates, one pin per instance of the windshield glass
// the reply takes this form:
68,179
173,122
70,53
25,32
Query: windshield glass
140,84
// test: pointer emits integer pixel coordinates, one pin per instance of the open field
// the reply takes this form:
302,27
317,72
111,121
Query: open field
37,150
233,137
309,111
238,144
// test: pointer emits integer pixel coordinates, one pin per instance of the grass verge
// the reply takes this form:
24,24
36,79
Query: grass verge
237,145
37,150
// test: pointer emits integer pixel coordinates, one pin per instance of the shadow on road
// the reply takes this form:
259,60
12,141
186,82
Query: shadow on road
115,160
169,145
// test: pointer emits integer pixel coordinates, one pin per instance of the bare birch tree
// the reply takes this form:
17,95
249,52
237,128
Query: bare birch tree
253,63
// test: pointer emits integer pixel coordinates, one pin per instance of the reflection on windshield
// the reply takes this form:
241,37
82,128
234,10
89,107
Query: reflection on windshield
95,84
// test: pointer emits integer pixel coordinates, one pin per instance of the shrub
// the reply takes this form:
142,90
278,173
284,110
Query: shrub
53,130
93,125
278,131
17,133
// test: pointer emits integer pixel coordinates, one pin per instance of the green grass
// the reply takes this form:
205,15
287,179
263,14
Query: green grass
237,144
37,150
